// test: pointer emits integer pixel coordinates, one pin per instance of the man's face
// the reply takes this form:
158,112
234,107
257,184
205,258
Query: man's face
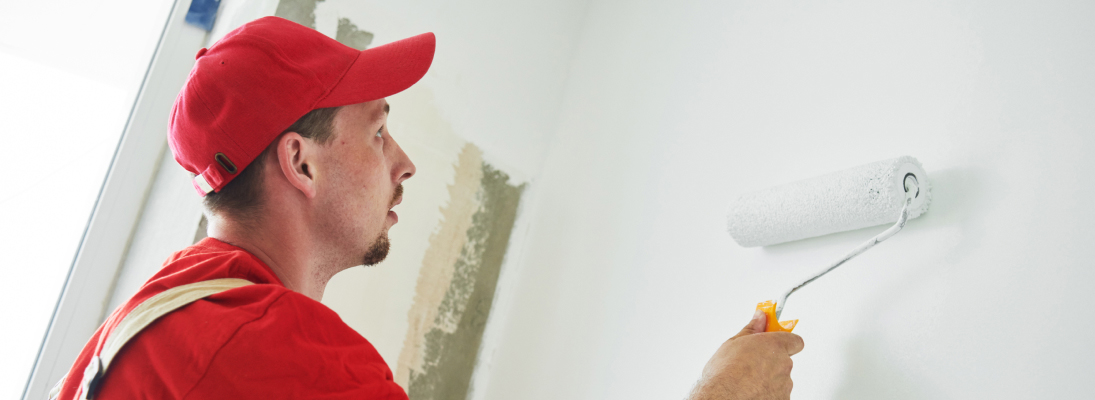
359,182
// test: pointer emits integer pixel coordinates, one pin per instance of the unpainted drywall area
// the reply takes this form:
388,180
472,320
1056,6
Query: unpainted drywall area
450,348
439,263
350,35
300,11
457,280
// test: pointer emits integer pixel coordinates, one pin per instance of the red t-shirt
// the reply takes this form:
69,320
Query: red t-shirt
260,341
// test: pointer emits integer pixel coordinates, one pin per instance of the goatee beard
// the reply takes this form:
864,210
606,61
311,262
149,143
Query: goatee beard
378,251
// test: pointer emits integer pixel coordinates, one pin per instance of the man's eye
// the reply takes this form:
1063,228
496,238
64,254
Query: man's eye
380,133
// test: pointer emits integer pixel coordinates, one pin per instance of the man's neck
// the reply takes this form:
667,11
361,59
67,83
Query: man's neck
285,251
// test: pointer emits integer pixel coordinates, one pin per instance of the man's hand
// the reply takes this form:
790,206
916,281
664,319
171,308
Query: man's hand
751,365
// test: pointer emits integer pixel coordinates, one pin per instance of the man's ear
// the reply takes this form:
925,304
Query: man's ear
295,157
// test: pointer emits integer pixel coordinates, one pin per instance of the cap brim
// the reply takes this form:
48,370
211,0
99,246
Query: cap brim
383,71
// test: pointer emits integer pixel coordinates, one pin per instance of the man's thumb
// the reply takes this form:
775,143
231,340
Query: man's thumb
756,325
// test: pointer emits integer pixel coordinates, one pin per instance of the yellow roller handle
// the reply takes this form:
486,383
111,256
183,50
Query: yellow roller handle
769,309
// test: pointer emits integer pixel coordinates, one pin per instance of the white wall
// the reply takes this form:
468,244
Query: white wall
629,281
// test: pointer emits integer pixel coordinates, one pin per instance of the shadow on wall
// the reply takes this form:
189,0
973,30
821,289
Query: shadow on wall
960,210
878,377
959,203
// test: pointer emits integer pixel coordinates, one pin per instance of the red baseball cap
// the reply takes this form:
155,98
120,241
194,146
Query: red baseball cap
250,86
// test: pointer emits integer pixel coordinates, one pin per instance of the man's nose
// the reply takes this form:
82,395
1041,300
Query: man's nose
403,168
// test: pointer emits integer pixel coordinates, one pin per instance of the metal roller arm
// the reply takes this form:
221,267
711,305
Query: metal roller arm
912,190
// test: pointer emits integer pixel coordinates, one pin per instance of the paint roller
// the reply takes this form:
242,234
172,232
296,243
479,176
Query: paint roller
868,195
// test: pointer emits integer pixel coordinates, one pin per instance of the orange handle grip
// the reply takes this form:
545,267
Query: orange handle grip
769,309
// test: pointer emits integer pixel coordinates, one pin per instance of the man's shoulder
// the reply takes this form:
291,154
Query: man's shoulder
255,340
258,330
300,348
260,313
214,319
295,347
272,307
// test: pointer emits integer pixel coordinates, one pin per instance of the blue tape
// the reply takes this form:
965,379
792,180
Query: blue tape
202,13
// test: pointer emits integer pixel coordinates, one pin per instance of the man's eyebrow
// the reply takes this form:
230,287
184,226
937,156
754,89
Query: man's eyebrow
387,108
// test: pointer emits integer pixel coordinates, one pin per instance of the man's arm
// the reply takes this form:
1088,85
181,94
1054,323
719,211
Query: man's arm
751,365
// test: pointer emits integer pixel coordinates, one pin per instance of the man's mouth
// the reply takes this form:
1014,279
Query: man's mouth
397,197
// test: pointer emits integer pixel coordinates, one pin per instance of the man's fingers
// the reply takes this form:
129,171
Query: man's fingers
791,342
755,325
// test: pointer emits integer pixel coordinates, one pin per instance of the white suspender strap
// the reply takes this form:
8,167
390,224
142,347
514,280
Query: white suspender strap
143,315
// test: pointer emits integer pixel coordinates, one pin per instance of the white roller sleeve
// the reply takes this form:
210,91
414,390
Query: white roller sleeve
855,198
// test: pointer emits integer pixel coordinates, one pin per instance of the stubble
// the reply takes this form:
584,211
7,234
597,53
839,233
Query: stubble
379,250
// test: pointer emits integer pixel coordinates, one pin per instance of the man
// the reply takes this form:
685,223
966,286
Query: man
285,131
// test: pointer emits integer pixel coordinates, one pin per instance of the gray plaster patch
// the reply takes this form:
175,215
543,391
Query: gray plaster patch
450,347
300,11
348,34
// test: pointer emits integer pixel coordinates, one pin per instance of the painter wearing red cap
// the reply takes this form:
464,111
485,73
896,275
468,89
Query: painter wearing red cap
284,130
285,133
260,78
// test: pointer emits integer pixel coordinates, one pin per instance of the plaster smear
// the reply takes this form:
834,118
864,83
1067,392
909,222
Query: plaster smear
300,11
305,12
439,262
375,300
457,281
349,34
